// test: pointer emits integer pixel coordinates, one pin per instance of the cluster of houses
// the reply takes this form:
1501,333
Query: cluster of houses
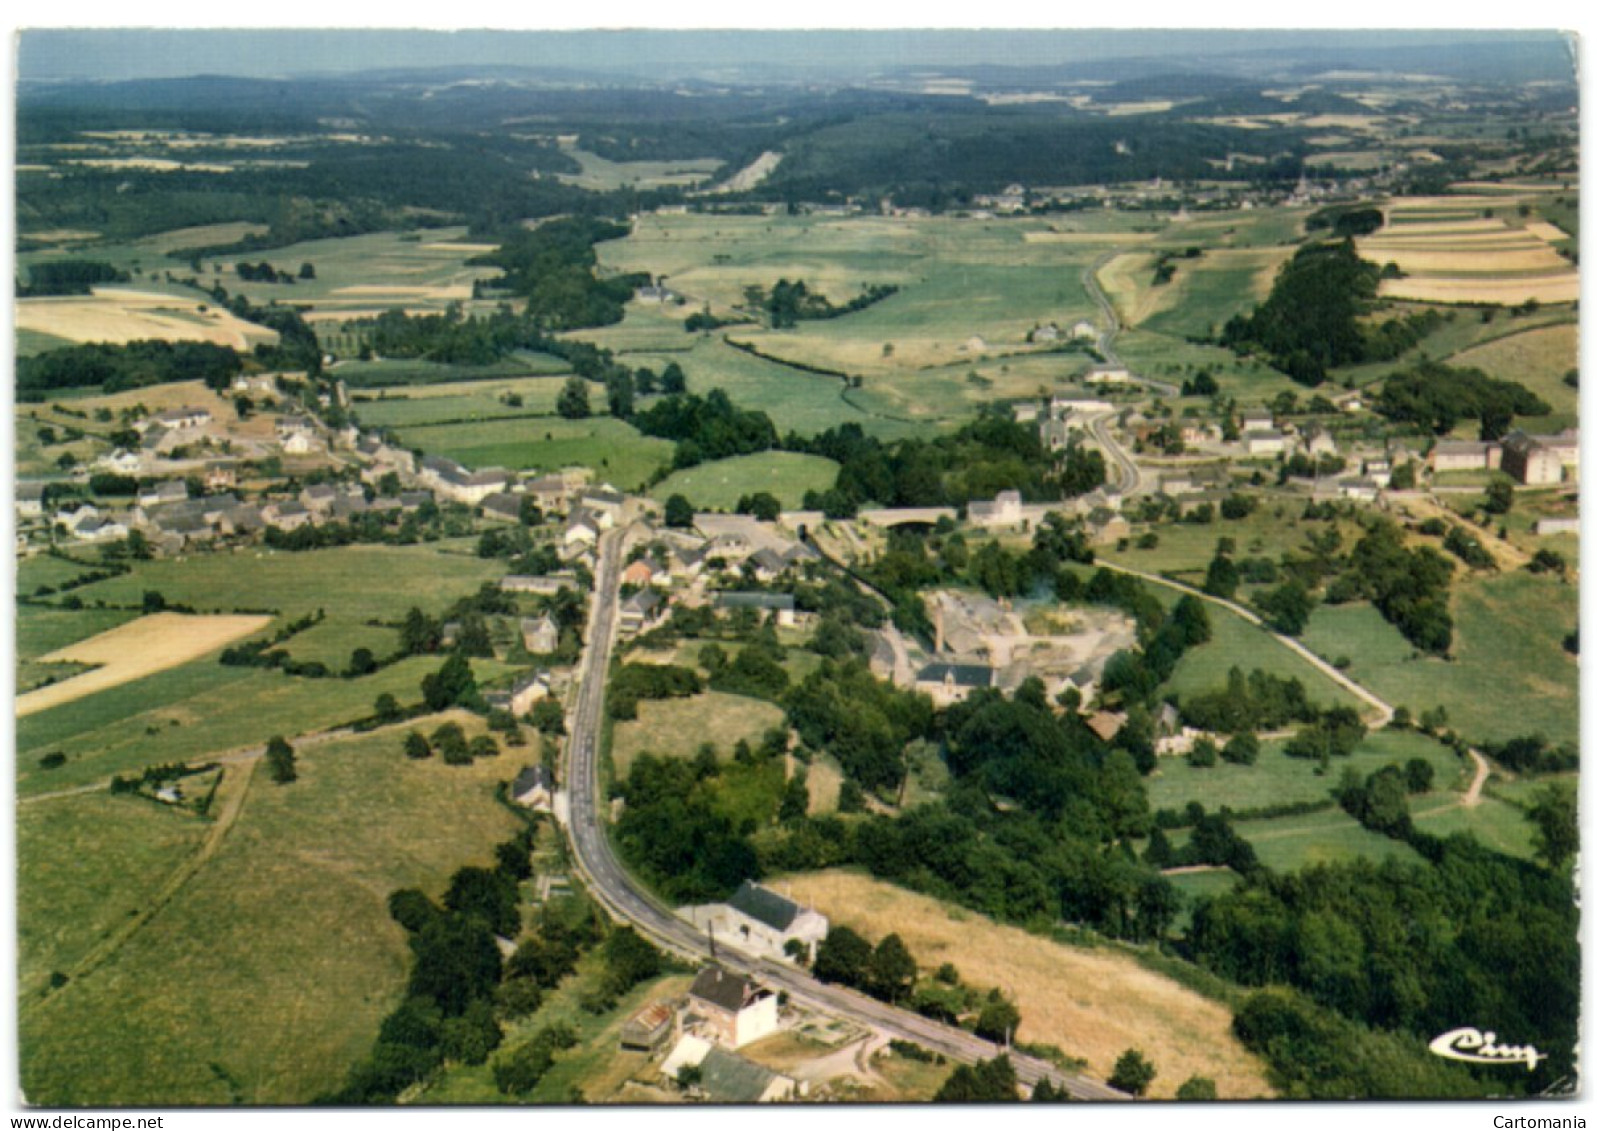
723,1010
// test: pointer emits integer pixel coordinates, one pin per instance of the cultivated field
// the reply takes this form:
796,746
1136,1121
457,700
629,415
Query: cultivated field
140,648
463,401
601,175
1091,1003
1537,359
719,485
222,997
119,316
1452,251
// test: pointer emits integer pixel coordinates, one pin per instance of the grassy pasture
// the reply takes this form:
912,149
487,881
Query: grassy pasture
1510,675
617,452
1278,780
437,378
332,641
719,485
467,401
1537,359
601,175
198,711
676,728
1236,643
803,402
41,629
336,580
85,864
1289,843
1091,1003
222,984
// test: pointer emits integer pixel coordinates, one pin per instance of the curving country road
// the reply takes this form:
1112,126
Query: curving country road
627,901
1111,322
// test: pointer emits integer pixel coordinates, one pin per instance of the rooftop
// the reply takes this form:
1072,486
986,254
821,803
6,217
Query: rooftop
775,911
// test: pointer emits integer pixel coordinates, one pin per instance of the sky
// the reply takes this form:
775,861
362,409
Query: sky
113,54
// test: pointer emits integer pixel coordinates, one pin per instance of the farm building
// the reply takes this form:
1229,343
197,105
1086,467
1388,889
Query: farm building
1466,455
650,1029
1569,525
729,1008
29,499
779,605
1077,404
760,921
1026,412
534,787
545,585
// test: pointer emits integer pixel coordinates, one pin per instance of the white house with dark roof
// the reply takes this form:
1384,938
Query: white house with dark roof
534,787
724,1077
729,1009
760,921
952,683
166,491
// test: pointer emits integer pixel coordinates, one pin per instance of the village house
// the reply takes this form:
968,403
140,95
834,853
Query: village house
1318,442
729,1008
540,635
550,493
1026,412
301,443
100,528
1541,461
1066,404
641,611
1106,725
767,605
534,787
581,532
1084,331
724,1077
1268,442
182,419
503,506
286,515
1257,420
220,475
122,461
605,503
1045,335
29,499
638,573
165,491
1004,510
319,499
523,693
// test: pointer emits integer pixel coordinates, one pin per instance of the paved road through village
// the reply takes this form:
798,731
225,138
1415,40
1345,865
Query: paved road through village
628,901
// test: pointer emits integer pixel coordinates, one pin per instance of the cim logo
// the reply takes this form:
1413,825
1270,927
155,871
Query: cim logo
1477,1047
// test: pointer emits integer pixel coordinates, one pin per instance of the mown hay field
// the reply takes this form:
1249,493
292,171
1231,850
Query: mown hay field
119,316
150,644
266,975
1091,1003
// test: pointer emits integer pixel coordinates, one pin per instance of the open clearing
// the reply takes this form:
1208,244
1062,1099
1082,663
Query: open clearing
719,484
1091,1003
676,728
1537,359
139,648
117,317
229,994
